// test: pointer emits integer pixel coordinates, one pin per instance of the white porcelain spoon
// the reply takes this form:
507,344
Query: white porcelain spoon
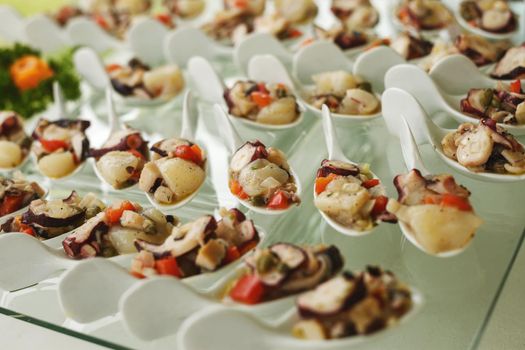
114,126
140,39
426,131
115,279
482,32
12,28
434,99
335,153
228,328
187,134
149,310
90,66
184,43
43,33
398,105
210,87
85,32
234,142
59,112
258,44
324,56
26,260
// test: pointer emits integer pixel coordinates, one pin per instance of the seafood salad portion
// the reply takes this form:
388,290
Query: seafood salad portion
411,46
344,93
235,21
276,25
137,79
296,11
262,177
436,210
355,13
121,158
46,219
424,14
478,49
176,171
114,230
343,36
352,304
60,146
262,103
485,147
503,104
14,142
511,65
350,195
185,8
284,269
491,15
200,246
16,193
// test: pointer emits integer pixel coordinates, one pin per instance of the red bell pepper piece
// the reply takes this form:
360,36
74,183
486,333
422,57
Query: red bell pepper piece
232,254
515,86
248,290
278,201
168,266
371,183
53,145
461,203
379,205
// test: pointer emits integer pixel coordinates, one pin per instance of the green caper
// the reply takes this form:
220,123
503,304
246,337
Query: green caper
365,85
486,98
109,251
92,211
258,201
266,263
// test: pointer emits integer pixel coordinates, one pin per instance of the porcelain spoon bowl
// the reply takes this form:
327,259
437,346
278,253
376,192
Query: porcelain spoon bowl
398,105
210,87
230,134
432,98
426,131
335,153
187,133
115,279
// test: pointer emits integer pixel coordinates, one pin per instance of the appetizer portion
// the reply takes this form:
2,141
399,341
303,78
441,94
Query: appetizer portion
200,246
493,16
410,46
424,14
60,146
296,11
230,26
121,158
14,142
343,37
504,104
137,79
262,177
352,304
16,193
186,9
436,210
355,14
344,93
512,65
262,103
46,219
114,230
485,147
478,49
350,195
176,171
276,25
284,269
